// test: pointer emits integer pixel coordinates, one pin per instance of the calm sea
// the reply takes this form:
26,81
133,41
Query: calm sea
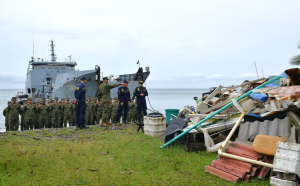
160,99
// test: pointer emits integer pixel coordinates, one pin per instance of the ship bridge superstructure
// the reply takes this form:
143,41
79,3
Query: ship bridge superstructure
42,73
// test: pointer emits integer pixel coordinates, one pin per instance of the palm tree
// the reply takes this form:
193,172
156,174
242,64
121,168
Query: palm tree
296,59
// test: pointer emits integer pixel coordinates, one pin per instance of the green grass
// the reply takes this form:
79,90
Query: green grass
101,157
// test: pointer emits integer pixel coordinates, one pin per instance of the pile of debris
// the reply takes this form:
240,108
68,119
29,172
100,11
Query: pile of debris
254,127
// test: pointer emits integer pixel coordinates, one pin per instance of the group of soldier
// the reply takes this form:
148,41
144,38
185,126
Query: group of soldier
82,111
39,115
57,114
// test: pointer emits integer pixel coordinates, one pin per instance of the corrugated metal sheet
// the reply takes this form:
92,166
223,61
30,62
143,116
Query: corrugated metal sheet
277,127
233,170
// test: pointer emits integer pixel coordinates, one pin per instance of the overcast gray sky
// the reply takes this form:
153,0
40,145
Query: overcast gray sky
186,44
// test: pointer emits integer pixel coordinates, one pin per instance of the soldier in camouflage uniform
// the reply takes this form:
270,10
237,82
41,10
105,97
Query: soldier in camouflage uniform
30,114
104,93
23,116
68,112
134,111
62,113
129,116
89,112
114,109
37,125
13,109
95,111
99,111
56,112
5,114
73,120
42,111
49,114
109,111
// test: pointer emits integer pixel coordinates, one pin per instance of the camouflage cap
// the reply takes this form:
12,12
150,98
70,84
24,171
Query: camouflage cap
60,101
9,102
95,98
29,99
105,78
115,98
52,101
90,97
68,99
43,99
63,99
13,98
56,98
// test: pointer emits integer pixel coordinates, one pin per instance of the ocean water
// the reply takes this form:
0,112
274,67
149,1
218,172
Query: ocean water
160,99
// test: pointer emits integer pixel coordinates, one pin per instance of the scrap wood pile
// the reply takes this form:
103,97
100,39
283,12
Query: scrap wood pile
254,127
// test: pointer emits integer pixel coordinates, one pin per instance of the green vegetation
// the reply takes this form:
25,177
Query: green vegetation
296,59
100,156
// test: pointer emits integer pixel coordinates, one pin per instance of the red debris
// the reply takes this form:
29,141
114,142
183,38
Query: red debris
264,170
227,168
236,163
221,174
247,178
231,169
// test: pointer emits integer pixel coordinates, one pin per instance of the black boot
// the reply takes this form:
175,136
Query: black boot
84,127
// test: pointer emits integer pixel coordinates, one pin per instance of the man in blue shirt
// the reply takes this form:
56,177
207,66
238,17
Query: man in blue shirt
124,98
80,103
140,92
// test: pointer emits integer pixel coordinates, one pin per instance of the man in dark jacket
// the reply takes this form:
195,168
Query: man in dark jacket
81,105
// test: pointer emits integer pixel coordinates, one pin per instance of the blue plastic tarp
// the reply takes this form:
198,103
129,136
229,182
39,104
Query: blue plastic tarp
259,97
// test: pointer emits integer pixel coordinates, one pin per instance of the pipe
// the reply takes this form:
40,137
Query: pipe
233,130
218,111
244,159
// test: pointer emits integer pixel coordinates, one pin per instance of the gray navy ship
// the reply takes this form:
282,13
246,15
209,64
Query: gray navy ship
54,77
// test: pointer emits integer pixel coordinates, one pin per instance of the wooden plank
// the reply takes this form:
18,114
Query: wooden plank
215,92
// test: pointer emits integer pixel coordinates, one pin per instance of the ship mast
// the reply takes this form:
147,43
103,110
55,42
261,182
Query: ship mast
53,58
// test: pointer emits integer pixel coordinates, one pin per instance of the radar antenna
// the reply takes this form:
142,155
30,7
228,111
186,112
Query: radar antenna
53,58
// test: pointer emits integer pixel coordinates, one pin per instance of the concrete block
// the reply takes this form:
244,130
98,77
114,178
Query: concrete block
153,133
155,126
287,158
278,182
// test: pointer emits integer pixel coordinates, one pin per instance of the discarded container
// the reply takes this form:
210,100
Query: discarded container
170,113
154,126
